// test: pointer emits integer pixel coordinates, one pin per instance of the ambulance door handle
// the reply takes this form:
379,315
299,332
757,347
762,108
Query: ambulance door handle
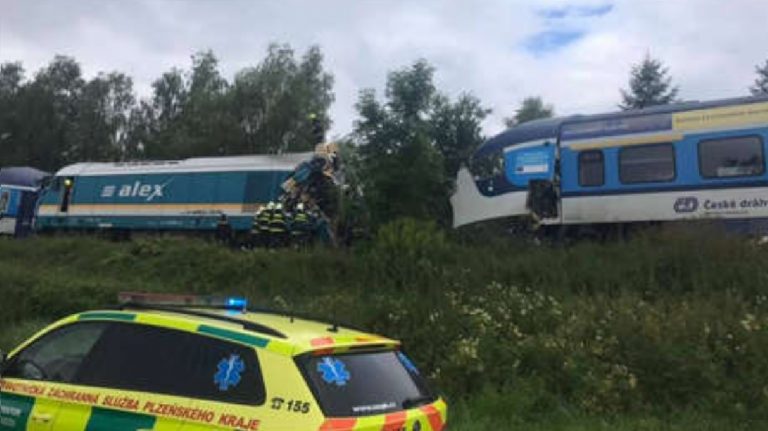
42,417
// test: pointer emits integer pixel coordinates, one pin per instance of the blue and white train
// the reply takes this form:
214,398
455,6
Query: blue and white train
697,160
19,190
180,195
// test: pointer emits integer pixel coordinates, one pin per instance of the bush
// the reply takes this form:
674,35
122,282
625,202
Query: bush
667,321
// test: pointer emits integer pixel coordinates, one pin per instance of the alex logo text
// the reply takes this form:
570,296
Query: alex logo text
137,189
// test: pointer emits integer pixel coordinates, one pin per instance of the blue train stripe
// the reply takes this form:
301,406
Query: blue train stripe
663,189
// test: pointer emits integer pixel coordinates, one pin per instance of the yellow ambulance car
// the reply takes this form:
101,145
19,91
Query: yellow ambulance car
189,363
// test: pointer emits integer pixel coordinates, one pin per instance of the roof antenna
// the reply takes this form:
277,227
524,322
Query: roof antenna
334,322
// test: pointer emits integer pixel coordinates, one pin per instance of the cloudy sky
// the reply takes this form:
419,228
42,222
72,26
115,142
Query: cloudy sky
574,53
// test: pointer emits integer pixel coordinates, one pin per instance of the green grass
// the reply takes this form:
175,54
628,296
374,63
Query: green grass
687,422
512,410
666,331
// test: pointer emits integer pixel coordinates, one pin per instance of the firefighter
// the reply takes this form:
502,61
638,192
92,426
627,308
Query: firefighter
300,228
264,223
261,225
277,227
223,230
255,228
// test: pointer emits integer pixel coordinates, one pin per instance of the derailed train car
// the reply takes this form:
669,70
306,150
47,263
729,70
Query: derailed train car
19,190
697,160
181,195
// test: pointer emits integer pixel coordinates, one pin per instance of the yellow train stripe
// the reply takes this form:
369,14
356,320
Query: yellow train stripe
626,141
720,118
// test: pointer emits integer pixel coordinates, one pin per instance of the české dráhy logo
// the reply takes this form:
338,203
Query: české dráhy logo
686,204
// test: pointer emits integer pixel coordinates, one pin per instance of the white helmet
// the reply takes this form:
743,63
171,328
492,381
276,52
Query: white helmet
271,205
279,206
300,206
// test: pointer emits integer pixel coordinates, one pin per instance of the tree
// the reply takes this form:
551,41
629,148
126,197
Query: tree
190,114
411,145
761,82
209,123
11,79
273,101
47,112
457,130
532,108
649,85
101,118
159,132
59,117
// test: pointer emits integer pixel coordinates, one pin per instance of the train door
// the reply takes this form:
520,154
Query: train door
66,194
6,213
26,213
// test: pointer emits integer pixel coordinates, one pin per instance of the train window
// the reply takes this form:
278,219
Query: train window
591,168
487,166
731,157
56,184
647,164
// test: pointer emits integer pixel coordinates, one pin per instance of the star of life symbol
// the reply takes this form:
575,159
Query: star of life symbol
333,371
229,371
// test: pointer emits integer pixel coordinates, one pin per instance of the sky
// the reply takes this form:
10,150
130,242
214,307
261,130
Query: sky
576,54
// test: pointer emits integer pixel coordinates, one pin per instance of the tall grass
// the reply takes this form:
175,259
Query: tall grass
669,321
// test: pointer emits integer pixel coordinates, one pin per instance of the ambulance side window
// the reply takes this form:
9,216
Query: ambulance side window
57,356
165,361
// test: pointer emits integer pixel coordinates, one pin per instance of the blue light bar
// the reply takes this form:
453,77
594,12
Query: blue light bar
236,303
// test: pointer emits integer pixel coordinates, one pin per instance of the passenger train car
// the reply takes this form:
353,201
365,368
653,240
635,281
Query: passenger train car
19,190
696,160
181,195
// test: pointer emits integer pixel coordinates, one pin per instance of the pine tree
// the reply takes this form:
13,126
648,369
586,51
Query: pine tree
649,85
761,82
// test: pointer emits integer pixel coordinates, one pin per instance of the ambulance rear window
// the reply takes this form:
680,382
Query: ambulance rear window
165,361
362,384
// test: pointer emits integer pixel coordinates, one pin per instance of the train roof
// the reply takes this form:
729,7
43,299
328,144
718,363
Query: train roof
550,127
526,132
281,162
22,176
